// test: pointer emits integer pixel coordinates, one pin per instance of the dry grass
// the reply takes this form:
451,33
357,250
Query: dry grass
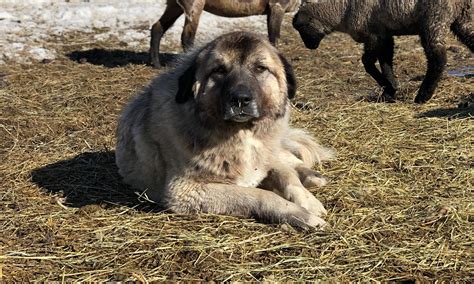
400,197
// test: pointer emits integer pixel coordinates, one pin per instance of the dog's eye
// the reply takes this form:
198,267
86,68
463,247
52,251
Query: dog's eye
260,68
219,70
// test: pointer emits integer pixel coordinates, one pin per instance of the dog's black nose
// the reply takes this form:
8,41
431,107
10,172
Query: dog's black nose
240,104
241,98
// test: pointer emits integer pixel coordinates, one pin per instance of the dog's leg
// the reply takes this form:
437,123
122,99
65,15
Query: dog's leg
171,14
307,176
300,152
285,181
193,13
274,20
226,199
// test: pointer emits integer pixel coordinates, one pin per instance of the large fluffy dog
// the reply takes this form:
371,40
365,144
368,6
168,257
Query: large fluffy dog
212,136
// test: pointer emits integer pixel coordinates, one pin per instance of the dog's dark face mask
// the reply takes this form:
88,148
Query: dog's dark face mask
241,96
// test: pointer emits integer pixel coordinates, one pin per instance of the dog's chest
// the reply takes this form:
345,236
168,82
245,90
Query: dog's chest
253,162
242,161
252,178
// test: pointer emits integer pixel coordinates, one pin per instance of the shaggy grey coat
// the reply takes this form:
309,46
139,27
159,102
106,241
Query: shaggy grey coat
375,22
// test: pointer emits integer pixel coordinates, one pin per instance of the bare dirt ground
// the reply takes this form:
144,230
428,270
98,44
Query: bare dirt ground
400,196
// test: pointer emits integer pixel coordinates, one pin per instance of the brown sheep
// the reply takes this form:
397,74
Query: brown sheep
274,9
375,22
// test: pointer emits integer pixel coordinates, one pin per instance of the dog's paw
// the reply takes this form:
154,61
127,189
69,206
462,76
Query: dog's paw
313,180
316,222
313,205
309,177
306,220
302,197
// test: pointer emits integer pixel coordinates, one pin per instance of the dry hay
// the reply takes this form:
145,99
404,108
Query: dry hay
400,197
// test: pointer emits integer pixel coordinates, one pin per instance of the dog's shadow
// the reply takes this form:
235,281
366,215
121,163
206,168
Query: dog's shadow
118,58
89,178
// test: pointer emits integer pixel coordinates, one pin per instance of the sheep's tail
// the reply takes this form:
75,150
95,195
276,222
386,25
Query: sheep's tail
306,148
464,32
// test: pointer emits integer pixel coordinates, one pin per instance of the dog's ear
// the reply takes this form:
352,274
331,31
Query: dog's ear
290,77
186,82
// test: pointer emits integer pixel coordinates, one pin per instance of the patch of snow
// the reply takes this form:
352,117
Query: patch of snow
39,53
32,22
5,16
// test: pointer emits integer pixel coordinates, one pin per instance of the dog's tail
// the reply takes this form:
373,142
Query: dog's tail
306,148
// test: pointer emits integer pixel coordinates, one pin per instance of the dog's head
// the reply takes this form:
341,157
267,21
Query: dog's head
311,29
238,78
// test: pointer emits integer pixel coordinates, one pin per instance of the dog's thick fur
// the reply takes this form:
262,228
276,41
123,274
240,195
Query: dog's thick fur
187,144
192,9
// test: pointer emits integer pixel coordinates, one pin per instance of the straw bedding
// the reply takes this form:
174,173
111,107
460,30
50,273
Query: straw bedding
400,196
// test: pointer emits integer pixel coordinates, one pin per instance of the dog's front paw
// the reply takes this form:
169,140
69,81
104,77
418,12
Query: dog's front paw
302,197
306,220
309,177
316,222
313,180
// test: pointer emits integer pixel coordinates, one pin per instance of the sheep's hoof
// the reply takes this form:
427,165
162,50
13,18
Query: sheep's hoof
422,98
154,61
387,98
155,64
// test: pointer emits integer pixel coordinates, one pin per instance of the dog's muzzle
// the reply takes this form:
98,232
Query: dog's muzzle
241,106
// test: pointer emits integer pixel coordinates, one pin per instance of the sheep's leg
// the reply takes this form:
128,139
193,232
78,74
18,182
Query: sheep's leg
435,51
386,60
193,13
171,14
465,33
371,52
274,20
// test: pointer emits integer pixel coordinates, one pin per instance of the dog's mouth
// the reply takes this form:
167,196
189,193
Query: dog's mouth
241,114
